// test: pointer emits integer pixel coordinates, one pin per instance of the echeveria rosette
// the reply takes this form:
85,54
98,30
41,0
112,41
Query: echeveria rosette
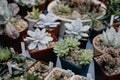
111,37
47,20
38,39
61,48
76,29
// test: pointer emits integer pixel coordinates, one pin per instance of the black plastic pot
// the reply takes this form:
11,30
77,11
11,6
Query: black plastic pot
80,70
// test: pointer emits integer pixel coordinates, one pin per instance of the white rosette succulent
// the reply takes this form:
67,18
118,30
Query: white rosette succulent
111,37
47,21
38,39
76,29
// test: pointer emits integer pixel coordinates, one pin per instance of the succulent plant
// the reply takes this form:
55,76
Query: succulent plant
111,37
7,13
63,47
5,54
47,21
38,39
34,14
63,10
72,43
85,56
113,8
76,29
28,3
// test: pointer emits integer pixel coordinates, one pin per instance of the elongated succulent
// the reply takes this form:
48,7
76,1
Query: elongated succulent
85,56
34,14
38,39
7,13
47,21
76,29
111,37
5,54
64,46
63,10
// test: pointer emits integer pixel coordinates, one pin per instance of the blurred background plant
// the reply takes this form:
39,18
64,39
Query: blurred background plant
7,13
113,8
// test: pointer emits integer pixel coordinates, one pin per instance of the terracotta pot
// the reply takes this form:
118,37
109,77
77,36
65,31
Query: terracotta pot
45,55
55,30
5,41
100,73
97,51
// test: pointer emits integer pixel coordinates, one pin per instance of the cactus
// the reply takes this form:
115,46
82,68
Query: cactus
85,56
111,37
5,54
34,14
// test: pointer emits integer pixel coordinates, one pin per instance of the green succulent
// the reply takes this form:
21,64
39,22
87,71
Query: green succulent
34,14
85,56
30,77
63,10
72,43
111,38
61,48
5,54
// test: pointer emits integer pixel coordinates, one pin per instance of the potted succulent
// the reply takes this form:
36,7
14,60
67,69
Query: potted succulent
5,54
12,27
107,50
77,30
48,22
33,17
39,69
103,42
40,43
97,27
72,57
59,74
70,10
26,5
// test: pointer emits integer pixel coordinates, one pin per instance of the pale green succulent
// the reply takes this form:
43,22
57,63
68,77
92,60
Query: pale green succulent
111,37
34,14
5,54
85,56
72,43
61,48
63,10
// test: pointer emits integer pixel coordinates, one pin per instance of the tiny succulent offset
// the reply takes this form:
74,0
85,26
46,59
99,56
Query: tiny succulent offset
38,39
76,29
111,37
47,21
